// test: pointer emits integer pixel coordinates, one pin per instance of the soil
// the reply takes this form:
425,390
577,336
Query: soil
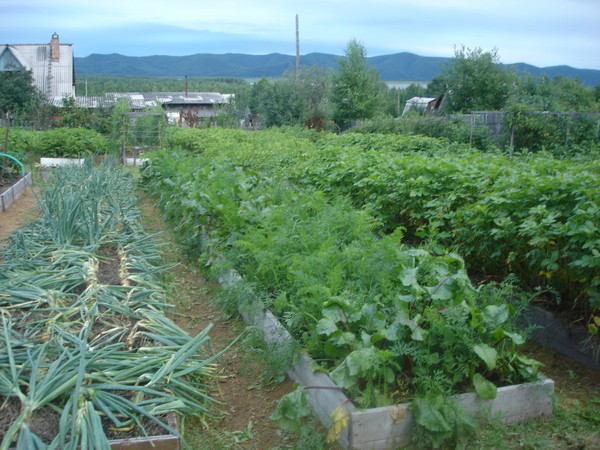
246,403
19,213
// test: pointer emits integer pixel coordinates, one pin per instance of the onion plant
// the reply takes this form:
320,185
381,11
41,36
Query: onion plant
97,356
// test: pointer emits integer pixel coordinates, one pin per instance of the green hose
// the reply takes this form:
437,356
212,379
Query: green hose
17,161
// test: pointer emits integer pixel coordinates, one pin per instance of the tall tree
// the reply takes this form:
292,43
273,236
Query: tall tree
313,85
475,80
17,92
278,102
355,87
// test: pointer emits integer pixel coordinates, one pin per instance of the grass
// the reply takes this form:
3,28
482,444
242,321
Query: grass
568,428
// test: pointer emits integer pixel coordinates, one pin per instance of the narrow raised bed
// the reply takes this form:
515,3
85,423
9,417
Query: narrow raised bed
56,162
135,161
9,196
47,164
391,426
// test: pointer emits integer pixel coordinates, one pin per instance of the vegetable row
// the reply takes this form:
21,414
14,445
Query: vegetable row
86,350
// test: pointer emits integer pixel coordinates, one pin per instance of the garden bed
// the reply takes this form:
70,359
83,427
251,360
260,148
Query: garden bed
12,188
135,161
84,336
558,334
391,427
47,164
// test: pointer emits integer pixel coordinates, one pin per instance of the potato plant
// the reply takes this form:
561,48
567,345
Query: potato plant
532,215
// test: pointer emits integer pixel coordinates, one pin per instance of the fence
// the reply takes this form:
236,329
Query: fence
537,129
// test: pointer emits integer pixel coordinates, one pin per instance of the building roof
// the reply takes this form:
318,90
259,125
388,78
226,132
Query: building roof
51,65
142,100
417,103
10,60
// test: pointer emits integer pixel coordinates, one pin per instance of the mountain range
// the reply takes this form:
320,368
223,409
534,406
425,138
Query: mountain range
395,67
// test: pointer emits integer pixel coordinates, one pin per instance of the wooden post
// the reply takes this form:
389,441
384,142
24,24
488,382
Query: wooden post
5,150
512,139
297,47
471,136
567,134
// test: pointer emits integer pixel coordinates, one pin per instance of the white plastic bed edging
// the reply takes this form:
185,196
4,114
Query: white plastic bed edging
56,162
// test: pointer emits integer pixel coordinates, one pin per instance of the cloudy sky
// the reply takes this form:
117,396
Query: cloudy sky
539,32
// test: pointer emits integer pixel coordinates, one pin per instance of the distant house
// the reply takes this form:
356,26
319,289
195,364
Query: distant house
51,65
181,108
422,104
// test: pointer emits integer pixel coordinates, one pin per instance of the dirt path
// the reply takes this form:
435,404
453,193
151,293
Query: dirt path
242,421
22,211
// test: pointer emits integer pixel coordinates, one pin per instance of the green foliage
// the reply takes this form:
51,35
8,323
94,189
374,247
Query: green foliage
441,422
475,81
277,102
292,99
561,134
531,215
388,322
72,116
355,87
291,409
100,353
453,129
558,94
486,205
70,143
97,85
19,140
17,92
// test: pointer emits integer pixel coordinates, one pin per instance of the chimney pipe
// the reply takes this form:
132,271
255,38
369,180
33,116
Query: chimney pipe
55,48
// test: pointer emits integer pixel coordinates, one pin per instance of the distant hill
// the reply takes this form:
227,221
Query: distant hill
396,67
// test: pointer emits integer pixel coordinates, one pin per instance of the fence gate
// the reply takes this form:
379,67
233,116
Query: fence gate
140,135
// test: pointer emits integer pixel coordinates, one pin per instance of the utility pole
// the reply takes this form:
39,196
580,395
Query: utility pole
297,47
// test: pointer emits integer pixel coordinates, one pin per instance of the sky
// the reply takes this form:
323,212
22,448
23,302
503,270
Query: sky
539,32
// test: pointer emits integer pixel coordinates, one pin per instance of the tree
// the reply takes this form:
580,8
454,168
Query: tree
17,92
313,86
474,80
355,87
278,102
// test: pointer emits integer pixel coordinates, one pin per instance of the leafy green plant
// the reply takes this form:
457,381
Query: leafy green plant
291,409
70,143
388,322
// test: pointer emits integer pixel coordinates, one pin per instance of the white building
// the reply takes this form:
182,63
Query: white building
51,65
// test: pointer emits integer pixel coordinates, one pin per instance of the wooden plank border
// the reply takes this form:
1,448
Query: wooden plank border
9,196
160,442
391,426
